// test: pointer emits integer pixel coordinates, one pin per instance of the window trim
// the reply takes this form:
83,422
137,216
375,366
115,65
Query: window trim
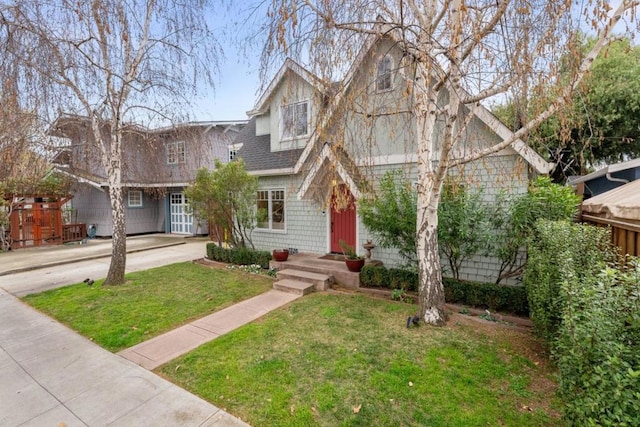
270,192
134,205
388,73
233,148
282,127
180,156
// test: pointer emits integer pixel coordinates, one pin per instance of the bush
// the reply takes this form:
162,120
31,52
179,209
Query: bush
463,225
597,349
374,276
511,299
589,313
403,279
239,256
558,251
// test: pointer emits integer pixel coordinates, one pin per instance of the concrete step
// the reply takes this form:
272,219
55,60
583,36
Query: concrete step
321,282
293,286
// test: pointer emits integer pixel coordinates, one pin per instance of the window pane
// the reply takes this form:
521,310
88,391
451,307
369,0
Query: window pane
383,81
277,207
287,121
301,119
263,209
295,118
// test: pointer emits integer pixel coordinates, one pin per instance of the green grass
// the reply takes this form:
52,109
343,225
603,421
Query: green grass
314,361
150,303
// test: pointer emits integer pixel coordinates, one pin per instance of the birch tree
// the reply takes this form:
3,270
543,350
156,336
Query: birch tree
474,50
114,63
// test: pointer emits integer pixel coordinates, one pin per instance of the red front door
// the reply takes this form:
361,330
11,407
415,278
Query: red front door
343,218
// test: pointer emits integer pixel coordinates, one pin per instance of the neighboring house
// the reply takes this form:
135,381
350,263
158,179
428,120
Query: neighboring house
158,165
317,148
606,179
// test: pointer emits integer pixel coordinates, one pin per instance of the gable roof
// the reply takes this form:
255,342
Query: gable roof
324,151
257,155
289,66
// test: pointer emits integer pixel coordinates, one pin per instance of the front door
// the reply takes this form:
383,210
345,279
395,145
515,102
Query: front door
181,220
343,218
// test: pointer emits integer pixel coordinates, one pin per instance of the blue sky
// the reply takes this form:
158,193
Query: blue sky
235,91
238,79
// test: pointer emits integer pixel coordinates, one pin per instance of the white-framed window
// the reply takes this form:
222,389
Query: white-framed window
271,209
233,151
384,74
134,198
294,120
176,152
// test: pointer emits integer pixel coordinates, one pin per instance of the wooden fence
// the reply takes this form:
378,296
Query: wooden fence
34,222
625,235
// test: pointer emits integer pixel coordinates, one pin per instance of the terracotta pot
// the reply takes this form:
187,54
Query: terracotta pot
280,255
354,265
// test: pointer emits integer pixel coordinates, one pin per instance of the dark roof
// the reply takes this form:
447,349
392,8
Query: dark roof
256,151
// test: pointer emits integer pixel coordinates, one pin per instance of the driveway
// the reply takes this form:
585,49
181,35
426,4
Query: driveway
51,376
23,272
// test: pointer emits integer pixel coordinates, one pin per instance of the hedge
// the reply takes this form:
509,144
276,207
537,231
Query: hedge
587,307
239,256
512,299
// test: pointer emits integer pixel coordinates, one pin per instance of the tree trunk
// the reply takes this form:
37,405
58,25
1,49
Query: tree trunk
115,276
431,306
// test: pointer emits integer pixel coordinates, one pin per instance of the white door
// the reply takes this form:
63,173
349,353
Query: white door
181,220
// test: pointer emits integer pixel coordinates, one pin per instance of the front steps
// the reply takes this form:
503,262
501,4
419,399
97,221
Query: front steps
301,282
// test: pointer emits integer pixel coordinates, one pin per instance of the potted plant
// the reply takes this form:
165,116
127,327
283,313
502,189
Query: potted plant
352,260
280,255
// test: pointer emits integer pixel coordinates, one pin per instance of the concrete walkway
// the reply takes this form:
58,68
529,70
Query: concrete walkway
163,348
51,376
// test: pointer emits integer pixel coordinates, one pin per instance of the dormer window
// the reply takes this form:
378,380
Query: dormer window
233,151
383,80
294,120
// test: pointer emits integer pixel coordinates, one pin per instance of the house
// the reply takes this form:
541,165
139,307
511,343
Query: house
157,166
317,147
606,178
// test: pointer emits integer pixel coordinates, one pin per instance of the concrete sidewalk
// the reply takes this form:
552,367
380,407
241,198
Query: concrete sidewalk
48,256
163,348
51,376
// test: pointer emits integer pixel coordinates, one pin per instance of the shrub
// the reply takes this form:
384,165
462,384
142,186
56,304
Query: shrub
589,313
512,299
391,214
239,256
463,225
559,250
374,276
404,279
597,349
514,221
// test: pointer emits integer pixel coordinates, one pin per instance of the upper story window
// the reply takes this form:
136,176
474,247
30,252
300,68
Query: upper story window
384,74
176,152
134,198
233,151
294,120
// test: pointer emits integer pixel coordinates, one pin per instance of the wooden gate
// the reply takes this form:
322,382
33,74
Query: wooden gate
36,223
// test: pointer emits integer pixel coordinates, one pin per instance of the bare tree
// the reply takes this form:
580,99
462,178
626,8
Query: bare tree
459,53
115,63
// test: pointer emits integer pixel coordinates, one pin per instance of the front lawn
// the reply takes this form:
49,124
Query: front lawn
331,360
149,303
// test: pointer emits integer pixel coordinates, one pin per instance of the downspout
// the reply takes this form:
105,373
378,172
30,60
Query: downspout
612,179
